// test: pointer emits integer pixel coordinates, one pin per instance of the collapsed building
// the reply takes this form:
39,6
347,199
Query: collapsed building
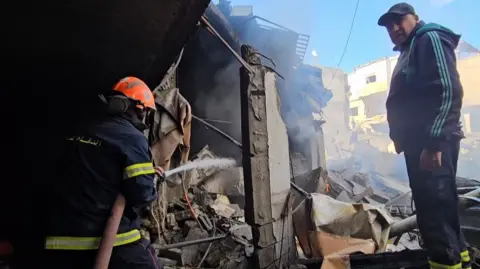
207,76
301,98
262,106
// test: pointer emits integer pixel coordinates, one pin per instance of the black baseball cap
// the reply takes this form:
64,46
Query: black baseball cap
396,10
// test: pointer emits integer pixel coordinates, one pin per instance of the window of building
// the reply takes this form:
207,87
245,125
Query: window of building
354,111
371,79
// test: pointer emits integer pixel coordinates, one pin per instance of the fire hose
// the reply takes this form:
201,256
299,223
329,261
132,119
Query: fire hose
110,233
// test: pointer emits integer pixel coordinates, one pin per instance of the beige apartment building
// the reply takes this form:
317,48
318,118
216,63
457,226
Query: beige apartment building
369,84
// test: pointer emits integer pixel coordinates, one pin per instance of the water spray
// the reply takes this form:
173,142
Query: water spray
222,163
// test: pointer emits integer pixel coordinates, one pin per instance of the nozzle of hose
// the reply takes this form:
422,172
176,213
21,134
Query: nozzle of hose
159,178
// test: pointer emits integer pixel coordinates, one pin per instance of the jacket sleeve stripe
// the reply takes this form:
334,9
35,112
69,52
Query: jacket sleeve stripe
447,93
138,170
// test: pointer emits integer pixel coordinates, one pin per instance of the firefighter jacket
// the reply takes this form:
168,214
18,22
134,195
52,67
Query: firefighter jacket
98,163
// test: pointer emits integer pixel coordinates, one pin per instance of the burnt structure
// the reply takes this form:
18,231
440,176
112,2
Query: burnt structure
60,55
266,165
208,78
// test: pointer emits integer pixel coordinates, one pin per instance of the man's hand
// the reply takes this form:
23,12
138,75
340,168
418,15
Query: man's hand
159,175
430,160
159,171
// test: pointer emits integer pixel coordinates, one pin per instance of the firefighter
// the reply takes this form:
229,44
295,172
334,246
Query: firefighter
106,157
423,112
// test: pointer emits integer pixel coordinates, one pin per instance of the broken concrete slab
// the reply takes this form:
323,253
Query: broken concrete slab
343,196
223,210
190,253
174,254
242,230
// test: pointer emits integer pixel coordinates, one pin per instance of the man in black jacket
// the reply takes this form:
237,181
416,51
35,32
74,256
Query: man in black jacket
104,158
423,111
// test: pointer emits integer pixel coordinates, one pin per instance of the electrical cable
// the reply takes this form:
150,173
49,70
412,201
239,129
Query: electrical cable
189,204
346,44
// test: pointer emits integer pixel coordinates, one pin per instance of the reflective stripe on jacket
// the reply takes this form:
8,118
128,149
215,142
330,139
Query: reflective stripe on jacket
88,243
138,169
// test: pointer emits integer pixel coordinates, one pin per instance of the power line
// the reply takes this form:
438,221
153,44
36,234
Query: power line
346,44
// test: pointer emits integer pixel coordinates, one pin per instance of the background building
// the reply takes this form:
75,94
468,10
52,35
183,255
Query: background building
369,85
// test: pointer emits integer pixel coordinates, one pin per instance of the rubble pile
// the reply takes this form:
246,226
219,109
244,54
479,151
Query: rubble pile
353,181
204,230
202,225
350,186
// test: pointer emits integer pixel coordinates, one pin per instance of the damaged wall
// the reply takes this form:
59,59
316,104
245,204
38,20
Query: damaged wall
336,130
266,165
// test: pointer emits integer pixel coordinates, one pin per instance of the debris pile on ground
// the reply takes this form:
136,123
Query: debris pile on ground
354,186
199,226
203,225
205,231
361,187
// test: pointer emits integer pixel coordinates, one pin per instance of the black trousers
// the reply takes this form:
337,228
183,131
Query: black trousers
135,256
436,202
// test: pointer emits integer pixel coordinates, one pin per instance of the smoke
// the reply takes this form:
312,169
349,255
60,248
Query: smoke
299,92
222,103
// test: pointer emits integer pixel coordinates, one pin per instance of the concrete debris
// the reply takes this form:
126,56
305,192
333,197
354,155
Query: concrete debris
189,253
234,260
242,231
361,187
222,208
201,228
408,241
167,262
343,196
357,214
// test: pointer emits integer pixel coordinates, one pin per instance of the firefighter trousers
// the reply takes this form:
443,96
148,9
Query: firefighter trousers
131,256
436,202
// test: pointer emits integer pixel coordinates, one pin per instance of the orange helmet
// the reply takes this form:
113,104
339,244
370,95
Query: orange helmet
135,89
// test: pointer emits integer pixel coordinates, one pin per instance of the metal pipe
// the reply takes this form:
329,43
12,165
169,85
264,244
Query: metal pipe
220,132
410,223
300,190
217,35
193,242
